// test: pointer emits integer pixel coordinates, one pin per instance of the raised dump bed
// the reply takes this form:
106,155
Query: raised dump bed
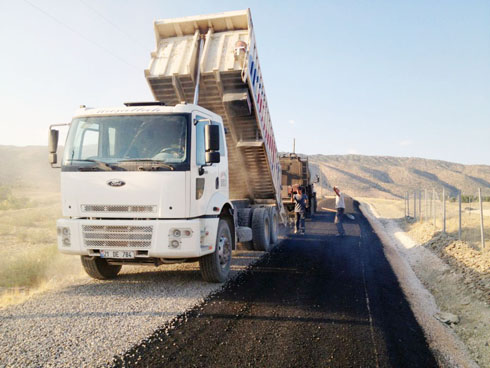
223,47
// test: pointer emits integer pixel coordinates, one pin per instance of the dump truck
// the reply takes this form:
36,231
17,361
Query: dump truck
296,173
183,178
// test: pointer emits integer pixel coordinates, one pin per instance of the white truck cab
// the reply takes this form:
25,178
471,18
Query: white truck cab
128,175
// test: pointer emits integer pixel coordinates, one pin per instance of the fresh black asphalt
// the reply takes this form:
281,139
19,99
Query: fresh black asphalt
315,301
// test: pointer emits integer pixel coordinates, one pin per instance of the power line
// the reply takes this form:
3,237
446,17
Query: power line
80,34
121,30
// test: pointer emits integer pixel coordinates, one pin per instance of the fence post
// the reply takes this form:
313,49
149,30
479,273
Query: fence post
415,205
420,206
434,206
444,210
482,231
459,209
405,204
408,204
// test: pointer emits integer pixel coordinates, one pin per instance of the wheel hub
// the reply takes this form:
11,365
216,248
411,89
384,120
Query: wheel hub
224,251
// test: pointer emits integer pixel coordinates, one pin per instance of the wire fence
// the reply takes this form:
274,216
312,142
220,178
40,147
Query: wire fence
465,216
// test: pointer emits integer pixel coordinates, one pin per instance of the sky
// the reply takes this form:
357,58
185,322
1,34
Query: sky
391,78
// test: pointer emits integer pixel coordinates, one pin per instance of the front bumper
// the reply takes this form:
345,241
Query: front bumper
147,238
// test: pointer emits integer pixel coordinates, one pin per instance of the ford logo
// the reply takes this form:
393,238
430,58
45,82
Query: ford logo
116,183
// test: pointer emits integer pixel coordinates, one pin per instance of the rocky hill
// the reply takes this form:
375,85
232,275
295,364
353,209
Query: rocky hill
389,177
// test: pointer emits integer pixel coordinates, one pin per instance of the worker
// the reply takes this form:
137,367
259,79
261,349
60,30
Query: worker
340,207
300,201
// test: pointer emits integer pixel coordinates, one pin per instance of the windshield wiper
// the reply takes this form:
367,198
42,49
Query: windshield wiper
99,164
157,163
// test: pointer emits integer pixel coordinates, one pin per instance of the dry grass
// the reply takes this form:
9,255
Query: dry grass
29,259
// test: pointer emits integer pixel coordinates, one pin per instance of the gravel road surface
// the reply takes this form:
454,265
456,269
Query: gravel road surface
315,301
88,322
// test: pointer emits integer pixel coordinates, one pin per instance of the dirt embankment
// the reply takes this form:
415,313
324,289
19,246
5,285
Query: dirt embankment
455,273
473,265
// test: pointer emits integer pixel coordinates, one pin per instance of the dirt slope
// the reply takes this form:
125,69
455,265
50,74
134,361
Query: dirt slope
390,177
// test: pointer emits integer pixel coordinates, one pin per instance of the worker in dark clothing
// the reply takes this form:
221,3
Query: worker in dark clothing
300,200
340,207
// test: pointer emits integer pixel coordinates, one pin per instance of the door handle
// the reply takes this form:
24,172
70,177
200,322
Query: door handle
217,183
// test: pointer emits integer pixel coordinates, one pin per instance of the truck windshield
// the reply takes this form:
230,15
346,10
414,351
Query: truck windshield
134,142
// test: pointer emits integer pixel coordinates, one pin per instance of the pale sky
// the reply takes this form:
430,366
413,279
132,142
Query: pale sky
397,78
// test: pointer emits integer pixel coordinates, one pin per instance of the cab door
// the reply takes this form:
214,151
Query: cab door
204,178
224,180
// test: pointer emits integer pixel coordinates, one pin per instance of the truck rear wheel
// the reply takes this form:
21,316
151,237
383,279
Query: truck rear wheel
261,229
245,217
215,267
99,269
274,226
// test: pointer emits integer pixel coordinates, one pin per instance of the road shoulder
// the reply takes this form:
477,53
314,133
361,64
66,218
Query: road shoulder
418,271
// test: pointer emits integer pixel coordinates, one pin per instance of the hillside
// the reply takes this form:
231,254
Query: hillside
366,176
389,177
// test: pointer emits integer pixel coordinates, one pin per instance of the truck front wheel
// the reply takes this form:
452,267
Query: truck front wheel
215,267
99,269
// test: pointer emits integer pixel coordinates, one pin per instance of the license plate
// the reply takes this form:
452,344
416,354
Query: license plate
116,254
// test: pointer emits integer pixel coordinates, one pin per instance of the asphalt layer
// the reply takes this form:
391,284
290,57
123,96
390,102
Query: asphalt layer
315,301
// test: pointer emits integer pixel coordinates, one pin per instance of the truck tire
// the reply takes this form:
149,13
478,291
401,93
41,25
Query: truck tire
215,267
274,221
99,269
245,217
261,229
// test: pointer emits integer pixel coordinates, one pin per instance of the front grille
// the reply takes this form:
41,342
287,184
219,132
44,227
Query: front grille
99,236
118,208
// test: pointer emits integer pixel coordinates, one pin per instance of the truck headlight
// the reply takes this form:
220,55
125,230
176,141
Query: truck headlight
174,243
64,233
177,233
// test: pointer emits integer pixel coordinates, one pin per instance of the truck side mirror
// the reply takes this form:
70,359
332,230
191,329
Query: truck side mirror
53,146
212,157
211,137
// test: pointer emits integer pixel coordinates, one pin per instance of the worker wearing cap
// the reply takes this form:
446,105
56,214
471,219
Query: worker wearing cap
300,201
340,207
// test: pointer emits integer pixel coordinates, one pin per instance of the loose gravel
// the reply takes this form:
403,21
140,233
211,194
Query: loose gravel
87,323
